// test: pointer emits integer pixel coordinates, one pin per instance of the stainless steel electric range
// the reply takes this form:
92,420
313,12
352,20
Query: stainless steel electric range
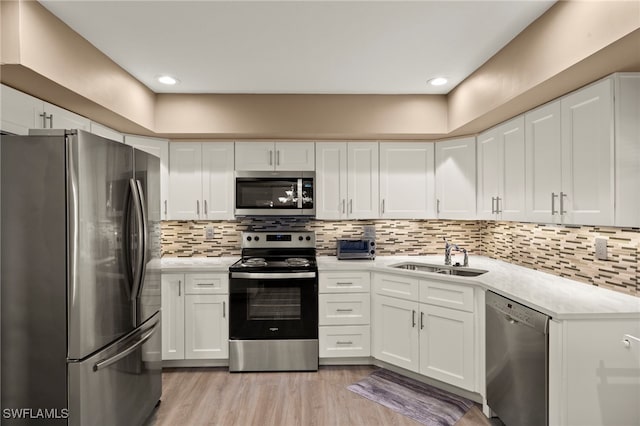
273,303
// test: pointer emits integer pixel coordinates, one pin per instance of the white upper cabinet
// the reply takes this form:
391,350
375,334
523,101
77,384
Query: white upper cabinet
407,180
456,179
587,196
283,156
501,172
21,112
201,180
347,180
159,148
106,132
542,144
627,162
569,152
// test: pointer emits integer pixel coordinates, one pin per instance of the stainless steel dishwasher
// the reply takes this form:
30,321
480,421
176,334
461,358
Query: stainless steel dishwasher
517,362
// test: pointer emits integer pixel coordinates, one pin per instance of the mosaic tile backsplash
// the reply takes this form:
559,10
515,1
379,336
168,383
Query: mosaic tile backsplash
566,251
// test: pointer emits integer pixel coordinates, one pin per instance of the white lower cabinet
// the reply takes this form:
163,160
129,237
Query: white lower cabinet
432,333
344,314
195,321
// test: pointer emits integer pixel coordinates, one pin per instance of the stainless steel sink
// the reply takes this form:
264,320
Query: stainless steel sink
441,269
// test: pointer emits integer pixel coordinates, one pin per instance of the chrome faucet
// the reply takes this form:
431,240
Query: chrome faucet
447,252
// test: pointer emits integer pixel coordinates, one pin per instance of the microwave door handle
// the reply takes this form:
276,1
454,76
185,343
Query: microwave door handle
299,193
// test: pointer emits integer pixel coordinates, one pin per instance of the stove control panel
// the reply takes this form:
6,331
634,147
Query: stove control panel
278,239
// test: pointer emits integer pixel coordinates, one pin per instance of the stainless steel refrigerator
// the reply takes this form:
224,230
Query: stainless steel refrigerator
80,244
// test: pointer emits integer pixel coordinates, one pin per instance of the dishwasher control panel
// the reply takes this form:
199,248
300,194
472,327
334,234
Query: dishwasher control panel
517,312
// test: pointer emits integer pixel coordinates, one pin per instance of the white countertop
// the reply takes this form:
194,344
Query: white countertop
561,298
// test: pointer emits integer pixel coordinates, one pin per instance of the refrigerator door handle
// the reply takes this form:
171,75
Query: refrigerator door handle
139,260
104,363
145,235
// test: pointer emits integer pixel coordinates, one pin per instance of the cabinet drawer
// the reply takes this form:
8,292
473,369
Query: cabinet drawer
344,282
396,286
210,283
344,341
344,309
447,295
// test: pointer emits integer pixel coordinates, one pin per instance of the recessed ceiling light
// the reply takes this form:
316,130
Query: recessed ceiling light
167,79
438,81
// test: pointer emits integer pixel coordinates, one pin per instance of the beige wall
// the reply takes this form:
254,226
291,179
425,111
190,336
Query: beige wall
574,43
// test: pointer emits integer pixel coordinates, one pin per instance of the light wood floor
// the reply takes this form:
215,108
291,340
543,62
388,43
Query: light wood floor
213,396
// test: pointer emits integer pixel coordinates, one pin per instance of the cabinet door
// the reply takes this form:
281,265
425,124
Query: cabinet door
362,180
395,332
255,156
542,147
105,132
217,180
206,327
331,180
627,163
407,180
511,203
488,173
296,156
456,179
447,349
159,148
185,180
173,287
587,155
20,112
58,118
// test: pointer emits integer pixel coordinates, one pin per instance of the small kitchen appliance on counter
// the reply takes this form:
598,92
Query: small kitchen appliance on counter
356,249
273,303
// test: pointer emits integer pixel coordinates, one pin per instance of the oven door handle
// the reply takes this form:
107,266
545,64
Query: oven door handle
272,275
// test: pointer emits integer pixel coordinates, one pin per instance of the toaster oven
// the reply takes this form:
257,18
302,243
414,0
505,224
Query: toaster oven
356,249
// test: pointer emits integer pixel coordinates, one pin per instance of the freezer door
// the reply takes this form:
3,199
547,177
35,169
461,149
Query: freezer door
120,385
100,310
147,177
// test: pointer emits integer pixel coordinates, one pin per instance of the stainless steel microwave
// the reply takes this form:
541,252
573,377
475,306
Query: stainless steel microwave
275,194
356,249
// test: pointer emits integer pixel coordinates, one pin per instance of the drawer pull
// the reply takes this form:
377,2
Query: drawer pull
344,283
339,342
344,310
205,284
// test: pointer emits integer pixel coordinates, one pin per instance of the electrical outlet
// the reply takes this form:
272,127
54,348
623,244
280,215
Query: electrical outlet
209,233
601,248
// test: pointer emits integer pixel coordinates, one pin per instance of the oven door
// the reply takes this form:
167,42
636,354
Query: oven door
264,306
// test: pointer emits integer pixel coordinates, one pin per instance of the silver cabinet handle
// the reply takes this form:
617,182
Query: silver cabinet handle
340,342
117,357
344,310
498,205
383,206
493,209
351,205
44,120
562,210
224,309
179,288
165,207
198,207
553,203
50,121
438,205
413,318
205,284
270,157
344,283
343,208
206,210
421,320
277,157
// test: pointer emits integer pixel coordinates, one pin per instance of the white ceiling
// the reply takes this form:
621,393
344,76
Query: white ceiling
378,47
